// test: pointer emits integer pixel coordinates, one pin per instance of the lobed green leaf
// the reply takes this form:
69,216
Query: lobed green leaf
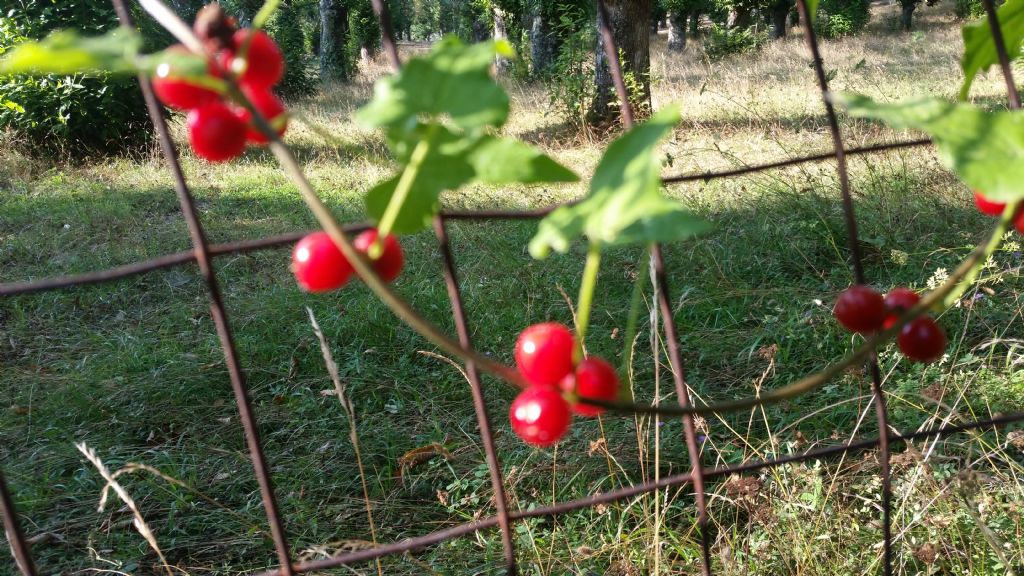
625,204
980,49
453,79
985,149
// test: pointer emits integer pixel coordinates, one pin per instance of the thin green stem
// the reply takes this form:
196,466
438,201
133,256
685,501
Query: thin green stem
402,189
989,248
586,298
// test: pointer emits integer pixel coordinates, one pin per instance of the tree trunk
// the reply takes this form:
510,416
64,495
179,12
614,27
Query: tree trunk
676,31
694,24
500,64
333,37
629,22
544,44
740,18
907,14
779,24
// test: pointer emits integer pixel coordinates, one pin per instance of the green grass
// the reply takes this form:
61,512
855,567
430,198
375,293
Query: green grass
134,368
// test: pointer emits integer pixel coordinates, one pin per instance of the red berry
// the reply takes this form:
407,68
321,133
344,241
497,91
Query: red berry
319,265
922,340
540,416
898,301
544,353
263,65
215,132
1018,222
986,206
389,264
594,378
177,92
268,106
860,309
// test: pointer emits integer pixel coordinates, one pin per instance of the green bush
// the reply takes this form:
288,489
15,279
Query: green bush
286,30
969,9
837,18
723,42
570,80
71,115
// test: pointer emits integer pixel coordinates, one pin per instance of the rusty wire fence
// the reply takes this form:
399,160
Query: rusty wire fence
204,253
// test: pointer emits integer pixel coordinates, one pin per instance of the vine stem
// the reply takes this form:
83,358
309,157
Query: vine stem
586,298
993,243
402,189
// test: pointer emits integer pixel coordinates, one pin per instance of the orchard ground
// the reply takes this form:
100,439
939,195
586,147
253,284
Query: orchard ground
134,369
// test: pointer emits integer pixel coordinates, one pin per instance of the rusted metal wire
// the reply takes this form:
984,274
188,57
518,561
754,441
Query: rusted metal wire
676,480
203,254
850,216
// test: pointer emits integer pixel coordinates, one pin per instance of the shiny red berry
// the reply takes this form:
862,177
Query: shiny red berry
215,132
270,107
1018,222
860,309
540,416
986,206
594,378
544,353
318,264
263,65
898,301
922,340
177,92
389,265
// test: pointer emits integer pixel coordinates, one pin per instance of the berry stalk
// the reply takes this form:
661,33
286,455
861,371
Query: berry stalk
586,298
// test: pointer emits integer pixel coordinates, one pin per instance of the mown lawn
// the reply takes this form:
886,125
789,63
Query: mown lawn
134,368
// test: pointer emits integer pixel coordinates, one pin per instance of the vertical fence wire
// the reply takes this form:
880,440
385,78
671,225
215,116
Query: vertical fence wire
878,395
451,279
219,314
15,536
664,303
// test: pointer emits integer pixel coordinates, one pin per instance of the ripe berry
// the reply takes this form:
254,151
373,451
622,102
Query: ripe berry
269,107
922,340
544,353
594,378
1018,222
318,264
986,206
389,265
898,301
263,65
215,132
540,416
860,309
177,92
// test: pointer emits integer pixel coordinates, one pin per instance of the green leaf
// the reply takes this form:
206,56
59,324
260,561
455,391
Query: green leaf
980,50
985,149
437,174
507,161
453,79
65,52
625,204
812,10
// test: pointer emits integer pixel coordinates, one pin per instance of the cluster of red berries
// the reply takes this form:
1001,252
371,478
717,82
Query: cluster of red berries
862,310
541,414
990,208
218,130
319,266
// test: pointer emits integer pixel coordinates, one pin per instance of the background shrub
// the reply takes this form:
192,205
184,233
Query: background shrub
837,18
722,42
287,31
72,115
969,9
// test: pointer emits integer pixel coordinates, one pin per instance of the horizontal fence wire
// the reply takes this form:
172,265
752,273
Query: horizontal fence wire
203,254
